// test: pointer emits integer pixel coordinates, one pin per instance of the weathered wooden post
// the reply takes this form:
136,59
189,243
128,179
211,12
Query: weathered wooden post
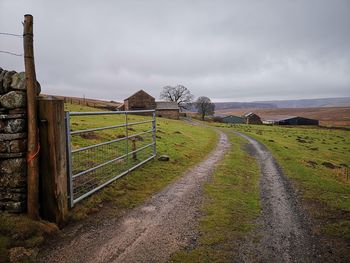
33,143
53,160
134,154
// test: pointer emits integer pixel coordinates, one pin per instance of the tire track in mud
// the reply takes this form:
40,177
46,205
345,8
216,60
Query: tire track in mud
283,233
164,224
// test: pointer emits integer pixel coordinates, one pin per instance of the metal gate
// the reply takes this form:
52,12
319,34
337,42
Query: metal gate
104,149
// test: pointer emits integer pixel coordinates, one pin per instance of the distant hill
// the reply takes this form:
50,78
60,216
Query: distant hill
272,104
99,104
309,103
328,116
236,105
244,105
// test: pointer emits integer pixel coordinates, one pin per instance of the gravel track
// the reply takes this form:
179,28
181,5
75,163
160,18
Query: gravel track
284,233
166,223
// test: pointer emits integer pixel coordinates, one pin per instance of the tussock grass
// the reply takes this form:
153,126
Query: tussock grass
20,231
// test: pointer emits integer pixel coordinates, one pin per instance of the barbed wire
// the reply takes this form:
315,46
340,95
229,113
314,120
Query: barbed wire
11,53
10,34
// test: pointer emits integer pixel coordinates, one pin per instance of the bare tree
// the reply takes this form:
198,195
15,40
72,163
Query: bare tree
179,94
204,106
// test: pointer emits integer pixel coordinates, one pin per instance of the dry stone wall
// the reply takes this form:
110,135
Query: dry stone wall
13,141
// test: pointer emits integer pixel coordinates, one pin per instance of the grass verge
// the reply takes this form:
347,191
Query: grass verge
20,231
231,204
318,161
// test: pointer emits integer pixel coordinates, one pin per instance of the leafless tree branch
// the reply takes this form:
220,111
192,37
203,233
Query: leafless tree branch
179,94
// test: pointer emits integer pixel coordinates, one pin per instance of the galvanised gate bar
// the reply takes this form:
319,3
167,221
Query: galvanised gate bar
106,146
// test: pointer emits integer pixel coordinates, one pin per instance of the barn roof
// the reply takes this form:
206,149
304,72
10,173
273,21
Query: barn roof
121,106
136,93
166,105
283,118
248,114
233,116
278,117
220,115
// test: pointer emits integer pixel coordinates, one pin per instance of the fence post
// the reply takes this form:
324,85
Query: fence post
134,154
33,146
53,161
127,139
69,159
154,128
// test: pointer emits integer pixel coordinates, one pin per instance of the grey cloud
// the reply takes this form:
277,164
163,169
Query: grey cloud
227,50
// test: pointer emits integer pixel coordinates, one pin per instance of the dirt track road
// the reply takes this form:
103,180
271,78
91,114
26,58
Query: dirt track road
284,231
150,233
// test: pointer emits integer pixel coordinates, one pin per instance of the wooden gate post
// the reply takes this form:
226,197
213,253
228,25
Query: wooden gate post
33,145
53,161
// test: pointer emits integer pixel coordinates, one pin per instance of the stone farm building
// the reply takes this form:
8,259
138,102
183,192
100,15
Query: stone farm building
141,100
252,118
167,109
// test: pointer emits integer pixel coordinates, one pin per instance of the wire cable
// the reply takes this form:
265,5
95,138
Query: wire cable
10,34
11,53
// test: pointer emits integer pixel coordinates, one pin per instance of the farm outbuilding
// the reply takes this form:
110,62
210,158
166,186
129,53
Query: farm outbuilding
290,120
168,109
233,119
252,118
141,100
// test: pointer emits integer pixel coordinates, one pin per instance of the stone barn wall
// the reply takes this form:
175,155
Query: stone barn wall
171,114
167,109
140,101
253,119
13,141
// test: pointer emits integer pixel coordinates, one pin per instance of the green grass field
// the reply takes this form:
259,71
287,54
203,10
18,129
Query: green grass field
231,204
317,160
185,144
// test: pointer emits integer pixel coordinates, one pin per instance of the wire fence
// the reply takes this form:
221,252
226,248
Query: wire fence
9,52
107,146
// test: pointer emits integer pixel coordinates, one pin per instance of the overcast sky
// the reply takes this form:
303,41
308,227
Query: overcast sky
226,50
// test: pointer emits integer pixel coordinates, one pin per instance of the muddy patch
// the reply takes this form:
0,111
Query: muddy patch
329,165
89,136
311,163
